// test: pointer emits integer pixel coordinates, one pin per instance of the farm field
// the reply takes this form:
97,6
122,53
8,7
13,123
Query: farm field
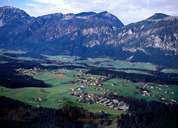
78,87
56,96
120,65
169,70
156,92
62,81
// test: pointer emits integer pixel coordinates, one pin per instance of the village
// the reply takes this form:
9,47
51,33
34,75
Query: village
105,98
101,95
145,90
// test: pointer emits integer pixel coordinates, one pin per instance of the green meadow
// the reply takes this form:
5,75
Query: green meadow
57,96
62,81
131,89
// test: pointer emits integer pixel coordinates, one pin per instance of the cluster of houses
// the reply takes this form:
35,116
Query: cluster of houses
145,92
31,71
86,81
89,80
114,103
99,99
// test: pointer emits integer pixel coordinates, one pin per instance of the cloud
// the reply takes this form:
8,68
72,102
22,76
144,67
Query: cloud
126,10
55,2
42,7
36,10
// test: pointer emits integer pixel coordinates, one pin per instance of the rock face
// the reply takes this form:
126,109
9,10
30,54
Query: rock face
158,31
91,34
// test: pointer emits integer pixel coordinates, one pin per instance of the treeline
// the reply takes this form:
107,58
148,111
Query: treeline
15,114
144,114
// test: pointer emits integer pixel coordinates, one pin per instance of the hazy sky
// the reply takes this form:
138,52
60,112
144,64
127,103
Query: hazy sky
127,11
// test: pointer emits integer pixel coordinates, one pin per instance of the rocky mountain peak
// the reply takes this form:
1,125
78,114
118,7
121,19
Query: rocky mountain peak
10,14
111,17
89,33
12,11
106,14
157,16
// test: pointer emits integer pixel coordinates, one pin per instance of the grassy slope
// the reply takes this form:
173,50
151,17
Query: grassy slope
128,88
108,62
55,96
169,70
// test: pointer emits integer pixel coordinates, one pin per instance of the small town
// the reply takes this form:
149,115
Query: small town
105,98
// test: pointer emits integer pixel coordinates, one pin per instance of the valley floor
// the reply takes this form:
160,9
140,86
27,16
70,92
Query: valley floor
98,85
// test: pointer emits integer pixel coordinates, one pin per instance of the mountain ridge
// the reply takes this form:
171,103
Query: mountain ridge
90,34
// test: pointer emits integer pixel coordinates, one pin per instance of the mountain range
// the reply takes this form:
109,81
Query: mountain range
90,34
